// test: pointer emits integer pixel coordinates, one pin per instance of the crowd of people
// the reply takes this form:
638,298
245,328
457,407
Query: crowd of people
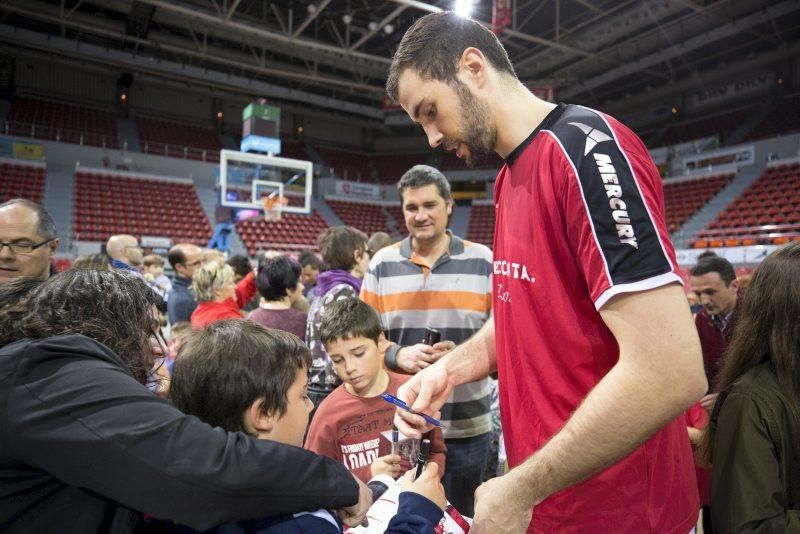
260,410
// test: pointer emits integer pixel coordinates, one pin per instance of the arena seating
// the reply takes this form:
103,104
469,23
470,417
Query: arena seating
346,164
293,149
481,224
21,181
722,123
783,119
43,118
293,233
108,204
391,167
397,214
767,212
368,218
178,139
683,199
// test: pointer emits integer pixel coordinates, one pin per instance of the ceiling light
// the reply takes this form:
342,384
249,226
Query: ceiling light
388,29
463,8
347,19
372,26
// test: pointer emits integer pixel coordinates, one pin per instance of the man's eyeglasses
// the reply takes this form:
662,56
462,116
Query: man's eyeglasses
24,247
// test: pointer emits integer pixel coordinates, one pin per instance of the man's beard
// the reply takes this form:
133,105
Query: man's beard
478,135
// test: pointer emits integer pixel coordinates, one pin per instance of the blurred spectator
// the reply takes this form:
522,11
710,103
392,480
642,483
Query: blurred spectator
714,282
693,304
218,296
278,282
97,262
178,333
28,240
185,259
344,250
753,439
153,271
377,241
125,253
311,266
212,254
241,266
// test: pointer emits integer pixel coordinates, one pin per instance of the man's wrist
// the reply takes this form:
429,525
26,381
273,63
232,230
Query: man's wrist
525,483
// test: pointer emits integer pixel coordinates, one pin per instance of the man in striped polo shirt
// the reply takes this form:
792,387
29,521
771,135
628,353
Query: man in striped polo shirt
438,280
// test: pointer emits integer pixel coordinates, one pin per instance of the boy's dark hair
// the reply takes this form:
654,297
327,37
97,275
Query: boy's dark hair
222,370
308,258
422,175
434,45
240,264
715,264
338,244
276,276
348,318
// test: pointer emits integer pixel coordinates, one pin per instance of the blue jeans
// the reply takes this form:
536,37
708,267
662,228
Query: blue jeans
463,473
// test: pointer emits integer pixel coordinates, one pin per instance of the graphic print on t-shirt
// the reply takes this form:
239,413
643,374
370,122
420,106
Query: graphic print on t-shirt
358,444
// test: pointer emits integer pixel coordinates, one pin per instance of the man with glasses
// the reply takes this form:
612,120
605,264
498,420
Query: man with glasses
125,253
185,258
28,240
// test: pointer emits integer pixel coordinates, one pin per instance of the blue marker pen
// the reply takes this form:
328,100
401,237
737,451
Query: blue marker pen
402,405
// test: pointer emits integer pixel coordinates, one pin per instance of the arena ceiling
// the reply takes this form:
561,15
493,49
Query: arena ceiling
335,53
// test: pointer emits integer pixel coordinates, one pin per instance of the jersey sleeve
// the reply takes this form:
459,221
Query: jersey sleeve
612,208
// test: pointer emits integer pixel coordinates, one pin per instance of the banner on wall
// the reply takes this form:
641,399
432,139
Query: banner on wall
735,255
357,190
738,155
734,91
501,16
28,151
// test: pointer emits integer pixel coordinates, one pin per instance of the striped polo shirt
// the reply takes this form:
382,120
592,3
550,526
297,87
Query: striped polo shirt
454,296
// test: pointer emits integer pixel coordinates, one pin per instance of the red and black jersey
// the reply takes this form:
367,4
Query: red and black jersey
579,219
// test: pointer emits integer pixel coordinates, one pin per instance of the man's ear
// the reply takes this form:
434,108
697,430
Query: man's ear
53,246
473,66
734,285
256,421
450,203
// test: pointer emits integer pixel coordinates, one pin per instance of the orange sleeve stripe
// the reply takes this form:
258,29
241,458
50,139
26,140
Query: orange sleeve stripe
427,300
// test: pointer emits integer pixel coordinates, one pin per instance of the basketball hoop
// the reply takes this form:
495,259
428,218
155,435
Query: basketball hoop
273,205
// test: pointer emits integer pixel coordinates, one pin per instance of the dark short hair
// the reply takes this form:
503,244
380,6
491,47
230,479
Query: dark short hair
422,175
46,227
307,258
276,276
222,370
110,307
176,256
349,318
715,264
434,44
338,245
240,264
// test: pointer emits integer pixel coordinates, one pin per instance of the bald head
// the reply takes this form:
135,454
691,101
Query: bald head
125,248
26,224
185,258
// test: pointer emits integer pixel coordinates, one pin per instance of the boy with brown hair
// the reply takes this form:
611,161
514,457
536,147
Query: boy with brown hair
348,424
258,379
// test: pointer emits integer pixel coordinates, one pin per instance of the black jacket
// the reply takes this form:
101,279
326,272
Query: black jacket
755,475
86,448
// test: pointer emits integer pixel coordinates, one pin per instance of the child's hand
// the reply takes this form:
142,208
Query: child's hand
428,485
386,465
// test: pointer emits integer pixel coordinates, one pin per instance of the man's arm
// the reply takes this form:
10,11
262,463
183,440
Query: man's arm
658,375
428,390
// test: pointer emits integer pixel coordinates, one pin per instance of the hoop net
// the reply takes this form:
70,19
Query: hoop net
272,207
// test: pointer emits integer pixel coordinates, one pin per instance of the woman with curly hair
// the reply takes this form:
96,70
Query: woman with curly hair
86,447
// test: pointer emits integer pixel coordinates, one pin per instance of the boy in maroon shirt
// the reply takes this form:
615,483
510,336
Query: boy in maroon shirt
349,422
